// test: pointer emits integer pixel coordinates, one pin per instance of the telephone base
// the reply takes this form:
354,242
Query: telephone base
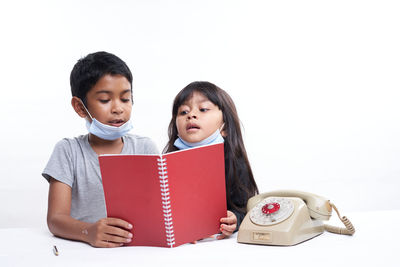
297,228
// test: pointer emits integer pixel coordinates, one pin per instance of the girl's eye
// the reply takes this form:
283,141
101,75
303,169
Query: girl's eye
104,101
125,100
183,112
204,109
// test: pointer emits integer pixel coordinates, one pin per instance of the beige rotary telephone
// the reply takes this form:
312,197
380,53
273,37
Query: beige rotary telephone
287,218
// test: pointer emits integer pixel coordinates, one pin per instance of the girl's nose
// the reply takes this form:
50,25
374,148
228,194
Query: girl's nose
191,115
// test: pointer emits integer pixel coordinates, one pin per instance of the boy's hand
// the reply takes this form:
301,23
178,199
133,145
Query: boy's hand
228,225
108,233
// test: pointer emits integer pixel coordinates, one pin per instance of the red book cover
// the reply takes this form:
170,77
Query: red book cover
170,199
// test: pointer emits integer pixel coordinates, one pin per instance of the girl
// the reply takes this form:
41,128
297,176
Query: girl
203,114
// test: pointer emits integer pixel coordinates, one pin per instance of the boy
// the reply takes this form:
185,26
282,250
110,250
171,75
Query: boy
101,85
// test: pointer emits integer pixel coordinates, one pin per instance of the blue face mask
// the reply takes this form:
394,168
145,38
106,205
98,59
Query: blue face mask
107,132
215,138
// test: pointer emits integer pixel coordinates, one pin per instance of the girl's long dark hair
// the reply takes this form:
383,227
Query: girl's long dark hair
236,161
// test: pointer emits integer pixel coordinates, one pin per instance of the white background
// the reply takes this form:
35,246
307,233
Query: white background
316,84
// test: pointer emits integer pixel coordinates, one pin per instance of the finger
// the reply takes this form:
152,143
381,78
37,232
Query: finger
232,215
228,228
107,244
230,219
115,231
119,223
194,242
221,236
226,233
116,239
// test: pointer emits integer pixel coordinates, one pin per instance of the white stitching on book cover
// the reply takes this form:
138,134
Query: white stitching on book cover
166,203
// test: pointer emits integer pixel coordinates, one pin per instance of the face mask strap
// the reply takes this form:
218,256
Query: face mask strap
86,109
222,127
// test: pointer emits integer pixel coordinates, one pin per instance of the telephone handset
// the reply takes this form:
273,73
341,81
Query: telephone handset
288,218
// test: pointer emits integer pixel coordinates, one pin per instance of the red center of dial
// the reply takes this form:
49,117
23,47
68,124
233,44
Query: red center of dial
270,208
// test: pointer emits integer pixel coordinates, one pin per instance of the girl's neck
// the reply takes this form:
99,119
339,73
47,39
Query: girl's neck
101,146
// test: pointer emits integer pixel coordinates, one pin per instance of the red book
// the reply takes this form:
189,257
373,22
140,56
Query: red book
170,199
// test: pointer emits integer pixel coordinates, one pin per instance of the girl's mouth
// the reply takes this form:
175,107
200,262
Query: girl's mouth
192,126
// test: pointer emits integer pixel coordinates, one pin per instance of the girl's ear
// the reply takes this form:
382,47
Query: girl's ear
223,132
78,107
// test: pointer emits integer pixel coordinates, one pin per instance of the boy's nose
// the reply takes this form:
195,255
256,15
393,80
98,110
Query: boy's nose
117,109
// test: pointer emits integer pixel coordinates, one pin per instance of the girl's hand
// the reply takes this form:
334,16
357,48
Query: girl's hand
228,225
108,233
195,242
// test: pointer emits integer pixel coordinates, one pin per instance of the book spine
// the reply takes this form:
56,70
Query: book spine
166,202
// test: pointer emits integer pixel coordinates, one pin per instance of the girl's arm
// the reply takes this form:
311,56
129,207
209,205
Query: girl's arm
107,232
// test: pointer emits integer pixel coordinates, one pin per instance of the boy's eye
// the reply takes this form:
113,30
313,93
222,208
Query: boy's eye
204,109
125,100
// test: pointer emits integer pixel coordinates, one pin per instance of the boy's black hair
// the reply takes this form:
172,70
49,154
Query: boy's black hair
90,69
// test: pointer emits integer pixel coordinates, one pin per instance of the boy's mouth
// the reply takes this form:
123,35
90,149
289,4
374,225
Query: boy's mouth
116,123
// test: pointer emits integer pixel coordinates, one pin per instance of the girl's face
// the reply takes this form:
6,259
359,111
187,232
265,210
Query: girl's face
110,100
198,118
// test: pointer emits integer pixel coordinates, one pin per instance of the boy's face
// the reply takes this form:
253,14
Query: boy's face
198,118
110,100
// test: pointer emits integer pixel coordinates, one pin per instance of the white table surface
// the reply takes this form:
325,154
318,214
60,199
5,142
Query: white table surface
375,243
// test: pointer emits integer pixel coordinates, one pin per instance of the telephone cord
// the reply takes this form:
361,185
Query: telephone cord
349,230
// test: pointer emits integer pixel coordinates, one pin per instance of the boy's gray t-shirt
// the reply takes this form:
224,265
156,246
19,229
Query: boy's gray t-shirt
75,163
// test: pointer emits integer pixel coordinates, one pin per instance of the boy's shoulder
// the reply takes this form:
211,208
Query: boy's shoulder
134,144
68,141
137,137
70,145
140,144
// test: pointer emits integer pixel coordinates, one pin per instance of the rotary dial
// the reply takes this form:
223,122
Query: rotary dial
271,211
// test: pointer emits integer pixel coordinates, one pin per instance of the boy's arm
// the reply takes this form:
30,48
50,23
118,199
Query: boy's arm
107,232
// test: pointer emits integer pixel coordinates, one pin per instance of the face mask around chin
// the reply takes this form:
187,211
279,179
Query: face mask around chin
104,131
215,138
108,132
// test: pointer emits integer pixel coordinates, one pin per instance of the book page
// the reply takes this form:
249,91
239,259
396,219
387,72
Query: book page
132,193
197,188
